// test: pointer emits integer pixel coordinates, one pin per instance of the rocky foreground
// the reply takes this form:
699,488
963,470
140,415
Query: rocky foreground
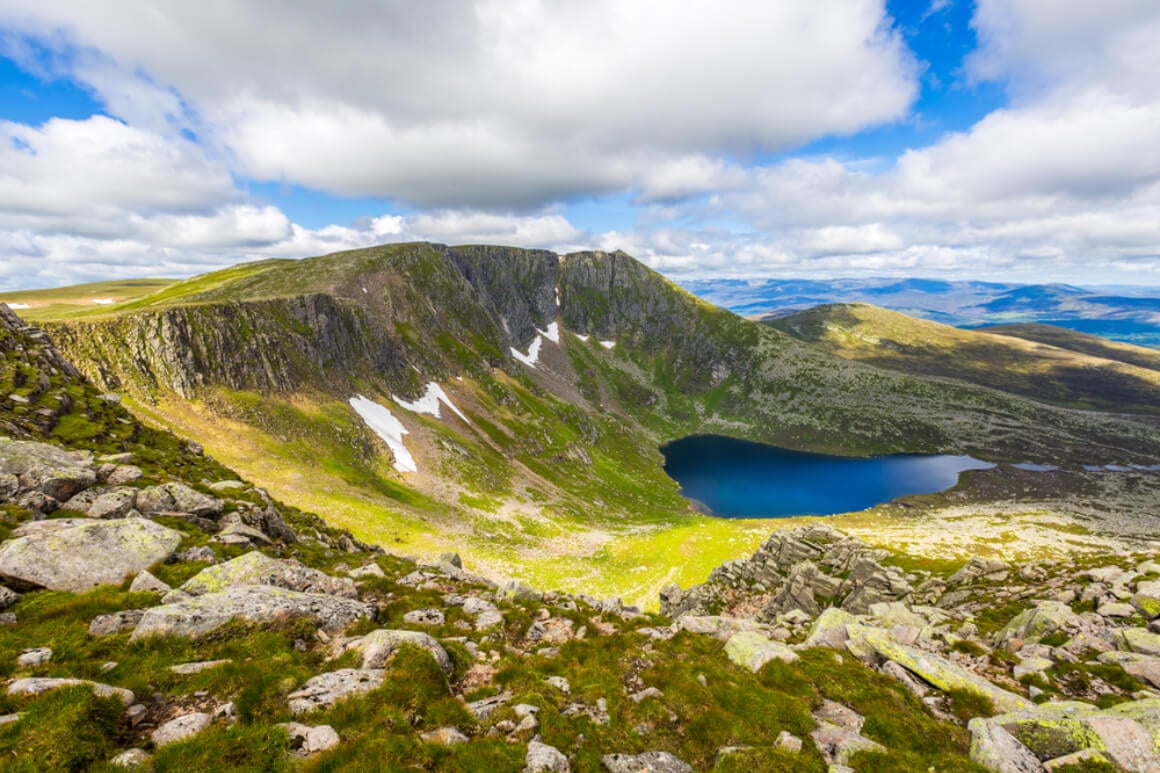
185,624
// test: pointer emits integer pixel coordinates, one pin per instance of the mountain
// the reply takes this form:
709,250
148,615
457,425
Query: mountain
514,462
1127,316
1060,374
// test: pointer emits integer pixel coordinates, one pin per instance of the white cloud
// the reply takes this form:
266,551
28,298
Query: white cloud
487,103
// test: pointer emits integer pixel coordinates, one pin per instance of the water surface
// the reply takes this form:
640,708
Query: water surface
739,479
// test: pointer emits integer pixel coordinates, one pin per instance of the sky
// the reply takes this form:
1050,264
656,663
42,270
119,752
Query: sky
1014,140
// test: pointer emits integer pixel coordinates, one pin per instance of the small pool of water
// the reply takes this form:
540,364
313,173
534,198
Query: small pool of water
740,479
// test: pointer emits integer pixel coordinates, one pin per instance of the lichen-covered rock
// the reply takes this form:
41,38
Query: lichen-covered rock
40,685
941,672
47,469
648,762
999,751
81,556
751,650
256,568
1044,618
327,689
257,604
1125,734
829,629
1138,640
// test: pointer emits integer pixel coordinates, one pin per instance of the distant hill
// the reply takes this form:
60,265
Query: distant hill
1079,342
1057,366
1127,316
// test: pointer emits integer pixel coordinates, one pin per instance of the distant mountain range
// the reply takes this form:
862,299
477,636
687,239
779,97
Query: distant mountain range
1120,314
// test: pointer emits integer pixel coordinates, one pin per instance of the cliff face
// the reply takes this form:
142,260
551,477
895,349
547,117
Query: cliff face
267,346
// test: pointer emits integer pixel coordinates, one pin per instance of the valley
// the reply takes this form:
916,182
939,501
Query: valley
549,469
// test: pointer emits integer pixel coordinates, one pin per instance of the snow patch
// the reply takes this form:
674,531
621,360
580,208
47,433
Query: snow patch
533,356
20,305
583,338
552,333
608,344
429,402
103,301
365,291
557,297
383,423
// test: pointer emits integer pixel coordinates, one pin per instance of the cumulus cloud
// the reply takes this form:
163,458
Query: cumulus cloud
489,103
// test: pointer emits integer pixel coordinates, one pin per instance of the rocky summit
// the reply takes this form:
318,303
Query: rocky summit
160,610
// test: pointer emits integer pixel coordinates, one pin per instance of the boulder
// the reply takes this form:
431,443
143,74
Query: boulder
751,650
542,758
124,473
716,625
648,762
32,658
424,617
46,469
838,744
1138,640
256,568
377,647
830,629
180,728
311,740
257,604
115,622
1044,618
941,672
177,498
115,502
997,750
147,583
39,685
81,556
8,597
327,689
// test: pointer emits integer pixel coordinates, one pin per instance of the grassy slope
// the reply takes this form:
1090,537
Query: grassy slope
1100,378
1095,346
79,300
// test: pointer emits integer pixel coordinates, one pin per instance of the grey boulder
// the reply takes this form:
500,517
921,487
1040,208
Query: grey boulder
648,762
80,556
257,604
256,568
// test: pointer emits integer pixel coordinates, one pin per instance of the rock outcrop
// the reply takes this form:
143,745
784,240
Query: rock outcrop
802,569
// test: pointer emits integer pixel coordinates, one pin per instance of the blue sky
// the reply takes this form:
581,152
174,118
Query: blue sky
999,139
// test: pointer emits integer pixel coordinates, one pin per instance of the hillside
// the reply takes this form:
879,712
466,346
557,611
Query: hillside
515,461
1063,338
159,613
1036,369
